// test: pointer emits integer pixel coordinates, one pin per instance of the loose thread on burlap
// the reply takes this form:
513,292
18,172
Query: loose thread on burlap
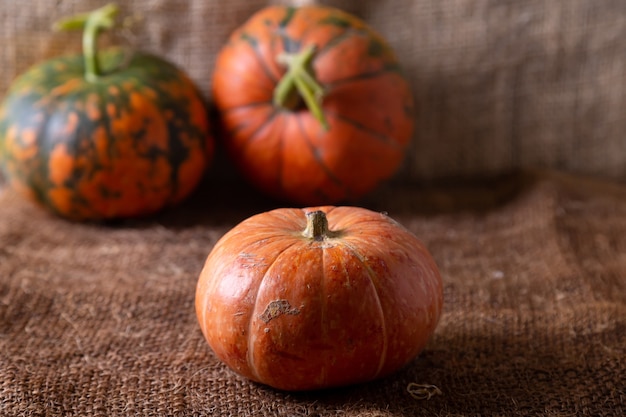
423,391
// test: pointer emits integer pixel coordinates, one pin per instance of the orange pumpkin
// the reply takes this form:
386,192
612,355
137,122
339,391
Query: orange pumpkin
104,134
312,298
313,105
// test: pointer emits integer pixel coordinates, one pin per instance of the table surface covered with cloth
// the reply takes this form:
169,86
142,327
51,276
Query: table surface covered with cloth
99,319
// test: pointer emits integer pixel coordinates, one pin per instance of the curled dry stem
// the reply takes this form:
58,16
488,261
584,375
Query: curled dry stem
91,24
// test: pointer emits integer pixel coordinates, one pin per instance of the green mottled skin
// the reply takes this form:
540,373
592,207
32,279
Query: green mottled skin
141,122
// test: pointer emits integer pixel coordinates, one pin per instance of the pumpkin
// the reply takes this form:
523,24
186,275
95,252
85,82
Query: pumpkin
303,299
312,103
104,134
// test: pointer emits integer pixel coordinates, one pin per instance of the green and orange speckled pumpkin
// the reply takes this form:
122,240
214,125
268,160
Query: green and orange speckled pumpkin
313,104
104,135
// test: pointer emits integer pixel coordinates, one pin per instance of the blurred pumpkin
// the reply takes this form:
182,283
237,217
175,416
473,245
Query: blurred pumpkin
313,106
106,134
312,298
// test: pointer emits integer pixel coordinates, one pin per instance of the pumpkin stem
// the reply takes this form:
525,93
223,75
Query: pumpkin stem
91,23
317,226
299,78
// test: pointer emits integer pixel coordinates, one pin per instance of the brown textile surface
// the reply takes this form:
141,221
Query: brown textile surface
98,320
499,85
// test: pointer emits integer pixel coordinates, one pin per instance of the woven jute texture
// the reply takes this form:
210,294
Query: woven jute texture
98,320
499,85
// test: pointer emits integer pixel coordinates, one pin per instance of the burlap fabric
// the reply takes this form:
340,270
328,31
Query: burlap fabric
498,84
98,320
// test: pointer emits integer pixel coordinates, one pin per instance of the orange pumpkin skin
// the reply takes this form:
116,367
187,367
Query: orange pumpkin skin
299,313
287,153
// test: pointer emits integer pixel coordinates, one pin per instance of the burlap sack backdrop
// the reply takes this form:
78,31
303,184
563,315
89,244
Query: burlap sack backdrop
499,84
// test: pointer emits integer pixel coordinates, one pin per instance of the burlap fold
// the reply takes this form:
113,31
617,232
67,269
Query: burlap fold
98,320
